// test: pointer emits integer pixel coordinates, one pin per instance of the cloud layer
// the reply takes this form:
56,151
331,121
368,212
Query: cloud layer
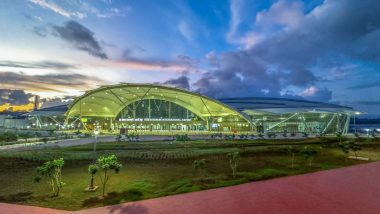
291,46
81,38
15,97
180,82
39,64
49,82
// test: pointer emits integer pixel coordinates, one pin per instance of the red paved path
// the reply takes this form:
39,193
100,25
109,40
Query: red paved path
347,190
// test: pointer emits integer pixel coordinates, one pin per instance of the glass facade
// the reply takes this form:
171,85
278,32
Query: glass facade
156,109
314,123
158,115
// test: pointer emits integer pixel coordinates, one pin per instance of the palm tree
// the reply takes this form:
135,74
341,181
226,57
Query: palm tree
309,153
234,162
200,166
293,151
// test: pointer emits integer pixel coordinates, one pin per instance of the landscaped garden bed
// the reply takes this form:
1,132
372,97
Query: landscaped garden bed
155,169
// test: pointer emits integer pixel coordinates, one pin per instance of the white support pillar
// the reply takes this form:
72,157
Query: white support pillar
282,121
329,123
347,124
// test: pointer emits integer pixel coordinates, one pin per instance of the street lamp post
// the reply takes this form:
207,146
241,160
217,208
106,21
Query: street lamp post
356,113
96,133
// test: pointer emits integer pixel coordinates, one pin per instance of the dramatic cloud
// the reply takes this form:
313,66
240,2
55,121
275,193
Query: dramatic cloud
48,82
81,38
317,94
292,45
15,97
38,64
180,82
281,13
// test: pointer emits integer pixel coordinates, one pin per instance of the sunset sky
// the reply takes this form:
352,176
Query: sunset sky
316,50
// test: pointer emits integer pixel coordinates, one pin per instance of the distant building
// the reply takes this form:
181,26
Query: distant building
36,105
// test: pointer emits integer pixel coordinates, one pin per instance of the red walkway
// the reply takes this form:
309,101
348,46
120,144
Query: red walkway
347,190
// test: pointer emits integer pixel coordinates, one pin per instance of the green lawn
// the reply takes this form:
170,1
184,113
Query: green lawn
154,169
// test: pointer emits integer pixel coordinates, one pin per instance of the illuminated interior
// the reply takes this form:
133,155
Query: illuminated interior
147,107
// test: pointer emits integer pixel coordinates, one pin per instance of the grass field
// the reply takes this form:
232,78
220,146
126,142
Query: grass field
154,169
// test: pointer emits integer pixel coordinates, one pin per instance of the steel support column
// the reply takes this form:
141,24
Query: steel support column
282,121
329,123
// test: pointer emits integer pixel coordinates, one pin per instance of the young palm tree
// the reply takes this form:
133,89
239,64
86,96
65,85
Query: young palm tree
234,162
309,154
293,151
200,166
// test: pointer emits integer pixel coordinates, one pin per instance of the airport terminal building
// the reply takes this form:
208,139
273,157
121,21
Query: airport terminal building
155,108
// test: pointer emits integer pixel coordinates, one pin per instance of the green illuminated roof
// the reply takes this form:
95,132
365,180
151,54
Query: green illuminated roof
108,101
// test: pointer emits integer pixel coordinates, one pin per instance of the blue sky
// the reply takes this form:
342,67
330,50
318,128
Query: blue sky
317,50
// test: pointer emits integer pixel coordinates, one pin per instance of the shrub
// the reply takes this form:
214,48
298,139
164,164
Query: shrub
52,170
345,148
339,135
293,151
92,169
309,153
373,133
45,140
285,134
350,146
200,166
8,137
182,138
271,135
107,163
354,147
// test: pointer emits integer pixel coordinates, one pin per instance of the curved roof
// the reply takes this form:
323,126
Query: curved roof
254,105
108,101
